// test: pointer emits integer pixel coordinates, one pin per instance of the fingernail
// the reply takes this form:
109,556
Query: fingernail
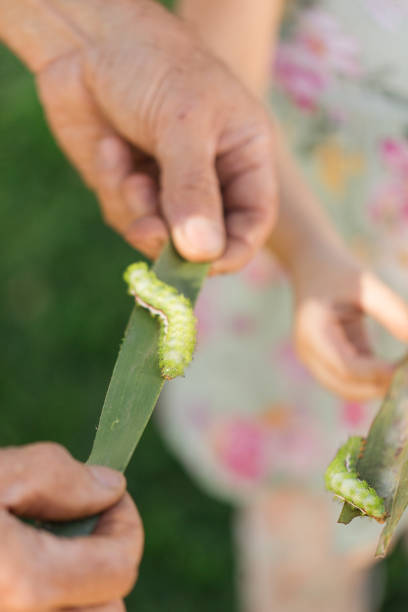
202,237
107,477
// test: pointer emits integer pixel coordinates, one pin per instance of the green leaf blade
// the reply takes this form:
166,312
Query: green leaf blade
348,513
132,394
384,464
382,459
398,506
136,381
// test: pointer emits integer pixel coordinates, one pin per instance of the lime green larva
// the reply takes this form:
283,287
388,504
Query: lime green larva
343,480
177,321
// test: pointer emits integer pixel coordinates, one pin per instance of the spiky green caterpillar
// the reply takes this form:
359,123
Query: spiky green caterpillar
177,321
343,480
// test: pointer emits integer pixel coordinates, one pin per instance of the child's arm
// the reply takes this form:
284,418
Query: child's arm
333,292
240,32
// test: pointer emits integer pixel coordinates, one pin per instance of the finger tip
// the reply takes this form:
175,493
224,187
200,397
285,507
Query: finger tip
148,235
111,151
140,195
199,239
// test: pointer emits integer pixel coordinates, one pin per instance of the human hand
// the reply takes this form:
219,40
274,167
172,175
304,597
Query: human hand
333,296
170,141
40,572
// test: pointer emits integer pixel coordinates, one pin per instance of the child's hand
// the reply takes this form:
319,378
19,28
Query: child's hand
333,295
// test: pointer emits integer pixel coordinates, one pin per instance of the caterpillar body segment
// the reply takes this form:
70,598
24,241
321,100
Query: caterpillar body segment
177,321
343,480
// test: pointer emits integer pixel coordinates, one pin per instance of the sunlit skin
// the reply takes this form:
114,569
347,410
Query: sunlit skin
171,142
173,145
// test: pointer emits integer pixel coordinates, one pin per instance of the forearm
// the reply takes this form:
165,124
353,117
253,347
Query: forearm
303,233
241,32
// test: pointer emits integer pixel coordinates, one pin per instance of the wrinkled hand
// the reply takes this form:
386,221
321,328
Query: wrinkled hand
170,141
333,296
42,573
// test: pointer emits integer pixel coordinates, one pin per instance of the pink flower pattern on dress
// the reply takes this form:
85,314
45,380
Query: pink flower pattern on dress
206,317
240,446
299,77
299,449
389,203
322,36
318,52
242,324
353,414
284,355
394,153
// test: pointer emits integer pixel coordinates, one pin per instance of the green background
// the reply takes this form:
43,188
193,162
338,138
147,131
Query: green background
63,311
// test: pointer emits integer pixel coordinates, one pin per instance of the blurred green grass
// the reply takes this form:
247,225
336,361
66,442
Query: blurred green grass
62,314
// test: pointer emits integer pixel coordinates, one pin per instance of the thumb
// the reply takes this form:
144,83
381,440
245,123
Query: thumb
43,481
191,201
380,302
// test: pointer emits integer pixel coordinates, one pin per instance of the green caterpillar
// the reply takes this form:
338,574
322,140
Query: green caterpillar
343,480
178,323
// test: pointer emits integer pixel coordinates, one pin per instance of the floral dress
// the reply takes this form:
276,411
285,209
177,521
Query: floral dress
248,416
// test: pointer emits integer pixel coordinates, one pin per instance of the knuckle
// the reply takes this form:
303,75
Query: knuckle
263,149
108,217
265,217
269,221
259,143
50,452
130,561
22,591
189,107
111,219
130,574
132,554
197,180
116,606
61,88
